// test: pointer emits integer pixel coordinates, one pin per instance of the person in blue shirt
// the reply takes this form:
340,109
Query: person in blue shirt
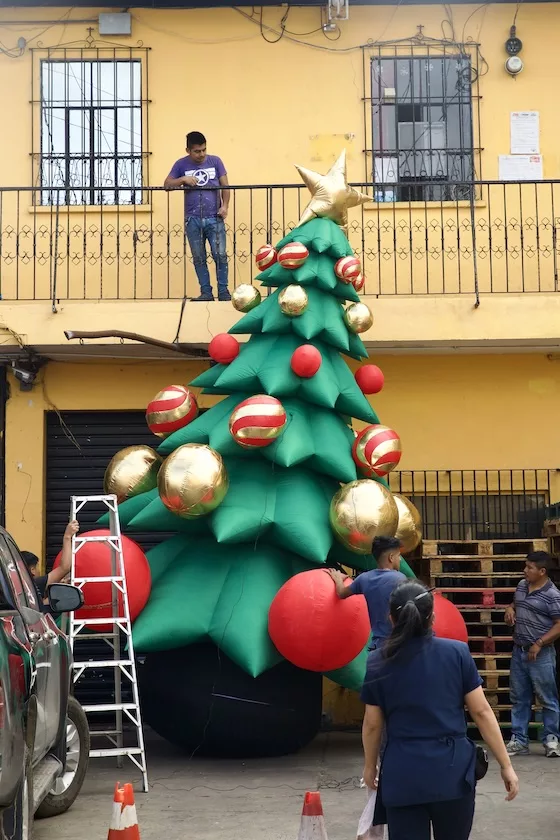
376,586
417,686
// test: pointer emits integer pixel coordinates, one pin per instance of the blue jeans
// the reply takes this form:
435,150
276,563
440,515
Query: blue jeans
538,678
211,229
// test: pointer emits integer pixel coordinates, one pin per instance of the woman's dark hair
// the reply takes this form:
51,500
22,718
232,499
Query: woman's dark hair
30,559
411,608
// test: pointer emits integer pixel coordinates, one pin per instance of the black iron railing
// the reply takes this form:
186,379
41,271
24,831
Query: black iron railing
477,238
478,504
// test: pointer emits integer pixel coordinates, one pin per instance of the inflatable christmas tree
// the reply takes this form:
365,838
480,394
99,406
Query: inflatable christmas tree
269,483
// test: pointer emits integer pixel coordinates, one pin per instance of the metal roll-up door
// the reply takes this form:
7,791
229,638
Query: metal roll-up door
80,444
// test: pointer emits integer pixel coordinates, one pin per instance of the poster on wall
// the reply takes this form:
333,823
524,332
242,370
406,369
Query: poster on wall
520,168
524,133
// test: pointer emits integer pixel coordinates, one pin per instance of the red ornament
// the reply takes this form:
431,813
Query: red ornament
257,421
306,361
265,257
347,269
94,560
313,628
223,348
171,409
370,379
377,450
448,621
359,282
292,255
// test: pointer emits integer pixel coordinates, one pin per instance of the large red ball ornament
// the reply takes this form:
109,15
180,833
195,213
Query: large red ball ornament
347,269
369,379
448,621
265,257
223,348
377,450
313,628
94,560
257,421
171,409
306,361
292,255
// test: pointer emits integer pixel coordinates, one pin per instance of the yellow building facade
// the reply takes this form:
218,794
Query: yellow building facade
463,287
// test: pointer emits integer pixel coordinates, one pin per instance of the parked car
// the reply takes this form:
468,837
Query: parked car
44,734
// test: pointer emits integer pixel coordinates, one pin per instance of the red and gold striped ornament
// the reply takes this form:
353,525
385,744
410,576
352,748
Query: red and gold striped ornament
377,450
358,282
293,255
347,269
257,421
265,257
171,409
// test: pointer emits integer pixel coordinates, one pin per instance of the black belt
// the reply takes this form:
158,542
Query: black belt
524,648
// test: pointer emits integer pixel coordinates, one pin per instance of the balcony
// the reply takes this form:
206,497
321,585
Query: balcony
491,246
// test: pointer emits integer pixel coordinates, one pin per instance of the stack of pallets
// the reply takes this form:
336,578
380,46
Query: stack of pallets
480,577
551,531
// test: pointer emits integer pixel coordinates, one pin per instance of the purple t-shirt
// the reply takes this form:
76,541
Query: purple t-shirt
201,202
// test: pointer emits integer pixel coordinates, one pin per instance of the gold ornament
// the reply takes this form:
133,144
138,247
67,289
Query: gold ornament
245,297
293,300
192,481
409,529
132,471
358,318
331,195
361,511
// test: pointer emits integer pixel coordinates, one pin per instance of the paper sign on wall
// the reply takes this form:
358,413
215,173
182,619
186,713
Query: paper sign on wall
524,133
520,168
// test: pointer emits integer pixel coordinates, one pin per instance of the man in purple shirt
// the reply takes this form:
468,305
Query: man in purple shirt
205,211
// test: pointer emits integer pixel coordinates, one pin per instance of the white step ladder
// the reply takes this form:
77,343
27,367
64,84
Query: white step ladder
119,666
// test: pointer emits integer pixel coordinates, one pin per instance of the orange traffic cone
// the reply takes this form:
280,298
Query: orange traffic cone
124,822
312,826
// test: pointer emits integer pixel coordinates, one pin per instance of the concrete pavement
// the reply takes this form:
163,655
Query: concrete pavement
200,799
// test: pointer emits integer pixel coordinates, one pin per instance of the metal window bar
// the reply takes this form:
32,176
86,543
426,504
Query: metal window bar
477,504
421,125
90,127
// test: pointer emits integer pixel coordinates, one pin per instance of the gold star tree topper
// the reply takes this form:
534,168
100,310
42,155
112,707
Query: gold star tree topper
330,194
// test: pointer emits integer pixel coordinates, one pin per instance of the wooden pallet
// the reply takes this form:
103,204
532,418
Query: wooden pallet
495,678
475,597
435,548
458,564
490,644
551,527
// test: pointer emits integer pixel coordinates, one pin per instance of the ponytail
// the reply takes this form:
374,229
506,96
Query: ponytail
411,608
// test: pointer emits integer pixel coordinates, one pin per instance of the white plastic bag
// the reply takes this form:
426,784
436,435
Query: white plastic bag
367,831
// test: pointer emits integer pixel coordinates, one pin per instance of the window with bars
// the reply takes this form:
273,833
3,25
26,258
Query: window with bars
422,126
92,133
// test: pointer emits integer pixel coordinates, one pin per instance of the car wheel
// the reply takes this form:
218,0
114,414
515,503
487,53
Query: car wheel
16,822
69,784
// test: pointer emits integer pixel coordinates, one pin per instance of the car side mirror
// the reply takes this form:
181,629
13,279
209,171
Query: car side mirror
65,598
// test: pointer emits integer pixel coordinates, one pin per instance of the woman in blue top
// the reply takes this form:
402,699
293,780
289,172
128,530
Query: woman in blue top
417,686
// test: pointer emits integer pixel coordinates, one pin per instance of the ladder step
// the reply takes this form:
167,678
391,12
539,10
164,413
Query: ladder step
101,663
94,621
110,707
115,751
103,579
106,538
